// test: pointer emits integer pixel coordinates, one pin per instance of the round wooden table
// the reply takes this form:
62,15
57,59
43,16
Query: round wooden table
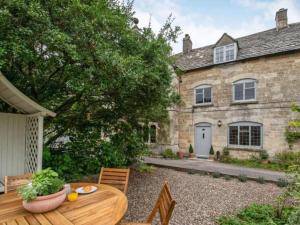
106,206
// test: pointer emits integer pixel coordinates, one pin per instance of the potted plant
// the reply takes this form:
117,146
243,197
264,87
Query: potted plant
45,192
191,152
211,153
180,154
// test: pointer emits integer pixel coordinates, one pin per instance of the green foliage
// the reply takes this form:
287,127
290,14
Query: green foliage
216,174
292,132
191,150
287,158
85,154
294,218
256,215
226,152
253,163
263,155
88,62
45,182
227,177
243,178
282,182
211,151
144,168
168,154
261,180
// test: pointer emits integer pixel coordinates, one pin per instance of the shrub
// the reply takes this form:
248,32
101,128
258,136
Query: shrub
282,182
211,151
287,158
86,154
216,175
294,218
227,177
259,214
145,168
191,172
43,183
264,155
242,178
191,150
226,152
168,154
261,180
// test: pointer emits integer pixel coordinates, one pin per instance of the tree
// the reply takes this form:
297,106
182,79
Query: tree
89,62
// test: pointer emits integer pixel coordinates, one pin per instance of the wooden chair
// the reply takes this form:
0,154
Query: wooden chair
117,178
11,183
164,205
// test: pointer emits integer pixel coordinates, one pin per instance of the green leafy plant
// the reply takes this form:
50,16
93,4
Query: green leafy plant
43,183
168,154
257,214
227,177
145,168
191,150
216,174
282,182
226,152
211,151
243,178
261,180
294,218
293,131
264,155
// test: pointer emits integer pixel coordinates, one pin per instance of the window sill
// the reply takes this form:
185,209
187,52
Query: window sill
244,102
203,105
246,149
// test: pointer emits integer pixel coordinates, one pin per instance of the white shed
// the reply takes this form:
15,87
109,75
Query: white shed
21,134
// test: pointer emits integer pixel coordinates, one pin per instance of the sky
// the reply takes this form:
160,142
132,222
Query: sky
206,20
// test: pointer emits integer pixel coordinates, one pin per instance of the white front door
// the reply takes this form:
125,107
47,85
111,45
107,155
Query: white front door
202,140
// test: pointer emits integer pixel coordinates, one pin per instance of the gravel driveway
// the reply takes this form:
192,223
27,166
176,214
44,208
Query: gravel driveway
200,199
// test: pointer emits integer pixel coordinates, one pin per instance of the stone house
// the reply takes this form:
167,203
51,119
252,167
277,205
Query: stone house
236,93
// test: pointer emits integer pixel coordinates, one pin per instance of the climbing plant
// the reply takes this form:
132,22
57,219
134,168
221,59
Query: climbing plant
293,131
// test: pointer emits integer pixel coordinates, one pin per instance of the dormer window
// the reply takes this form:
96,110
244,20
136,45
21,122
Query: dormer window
225,53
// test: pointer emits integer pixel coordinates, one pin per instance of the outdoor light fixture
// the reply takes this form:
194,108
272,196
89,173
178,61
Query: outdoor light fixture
219,123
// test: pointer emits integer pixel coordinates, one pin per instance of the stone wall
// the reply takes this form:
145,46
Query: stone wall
278,82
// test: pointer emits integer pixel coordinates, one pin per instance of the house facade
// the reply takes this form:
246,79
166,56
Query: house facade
237,93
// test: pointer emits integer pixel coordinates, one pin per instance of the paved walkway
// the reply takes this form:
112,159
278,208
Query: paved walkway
200,166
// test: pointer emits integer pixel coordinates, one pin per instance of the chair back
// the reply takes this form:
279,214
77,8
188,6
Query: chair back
115,177
11,183
164,205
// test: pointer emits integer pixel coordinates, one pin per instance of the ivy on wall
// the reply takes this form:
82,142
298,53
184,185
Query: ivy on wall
293,131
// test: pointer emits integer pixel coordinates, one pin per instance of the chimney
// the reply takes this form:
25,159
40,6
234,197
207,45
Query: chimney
281,19
187,44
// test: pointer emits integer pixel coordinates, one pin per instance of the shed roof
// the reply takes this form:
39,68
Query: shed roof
14,97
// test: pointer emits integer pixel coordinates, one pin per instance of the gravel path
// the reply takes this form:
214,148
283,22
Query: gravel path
200,199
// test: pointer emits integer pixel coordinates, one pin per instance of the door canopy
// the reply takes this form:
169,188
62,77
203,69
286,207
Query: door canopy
15,98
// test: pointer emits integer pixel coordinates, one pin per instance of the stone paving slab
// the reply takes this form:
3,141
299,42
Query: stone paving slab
200,165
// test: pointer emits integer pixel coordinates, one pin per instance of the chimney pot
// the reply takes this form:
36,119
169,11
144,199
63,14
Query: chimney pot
187,44
281,19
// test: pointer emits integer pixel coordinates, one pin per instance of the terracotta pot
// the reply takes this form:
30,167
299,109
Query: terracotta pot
211,157
45,203
192,155
180,155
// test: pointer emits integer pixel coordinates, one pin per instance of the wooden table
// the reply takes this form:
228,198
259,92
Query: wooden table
106,206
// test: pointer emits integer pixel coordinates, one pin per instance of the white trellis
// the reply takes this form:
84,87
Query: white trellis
21,134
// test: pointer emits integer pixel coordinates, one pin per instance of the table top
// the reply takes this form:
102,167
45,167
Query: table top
106,206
